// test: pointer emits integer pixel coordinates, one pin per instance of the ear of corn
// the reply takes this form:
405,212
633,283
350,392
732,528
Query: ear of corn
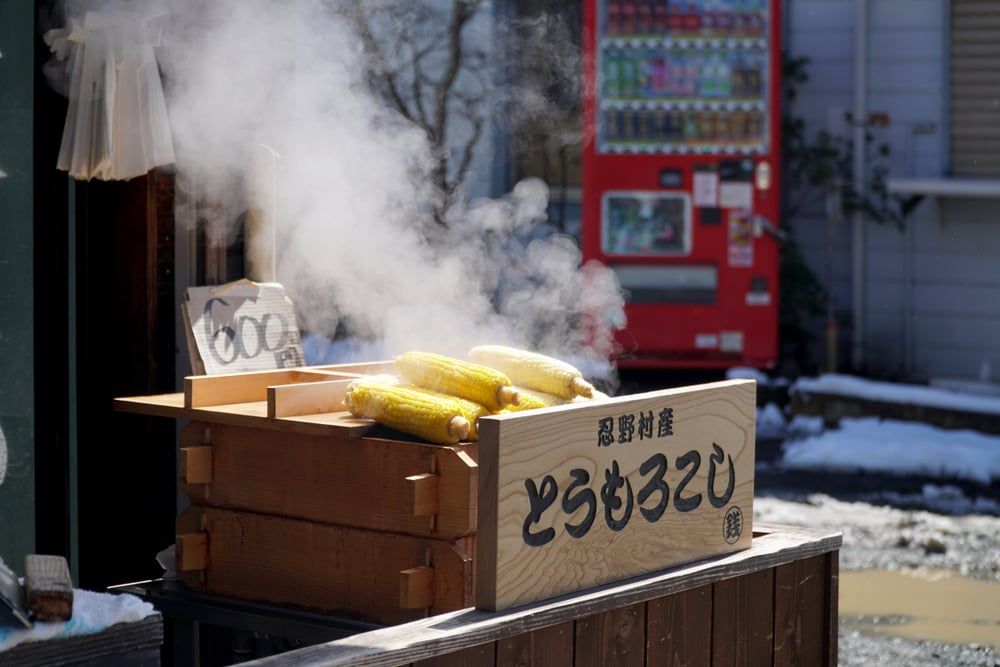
469,410
434,418
533,400
534,371
473,382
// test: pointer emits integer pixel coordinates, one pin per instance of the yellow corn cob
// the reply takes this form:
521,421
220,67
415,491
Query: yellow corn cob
383,379
598,396
533,400
473,382
433,418
470,410
534,371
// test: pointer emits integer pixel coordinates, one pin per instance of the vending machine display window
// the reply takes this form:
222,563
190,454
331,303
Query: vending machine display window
646,223
682,76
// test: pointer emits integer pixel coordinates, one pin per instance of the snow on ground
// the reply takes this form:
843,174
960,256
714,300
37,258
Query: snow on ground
892,392
771,423
893,539
898,448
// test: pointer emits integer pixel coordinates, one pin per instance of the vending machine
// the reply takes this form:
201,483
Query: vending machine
680,181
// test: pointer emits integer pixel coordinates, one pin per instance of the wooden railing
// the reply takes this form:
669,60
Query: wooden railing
773,604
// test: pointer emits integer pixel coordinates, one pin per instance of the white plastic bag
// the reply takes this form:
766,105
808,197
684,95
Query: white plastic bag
116,125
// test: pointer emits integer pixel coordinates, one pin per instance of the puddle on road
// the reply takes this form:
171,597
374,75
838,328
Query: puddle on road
922,604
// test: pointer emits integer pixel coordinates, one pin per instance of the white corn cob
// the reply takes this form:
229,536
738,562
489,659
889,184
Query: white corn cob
533,371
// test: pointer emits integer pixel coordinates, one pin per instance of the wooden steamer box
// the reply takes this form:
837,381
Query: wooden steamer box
297,502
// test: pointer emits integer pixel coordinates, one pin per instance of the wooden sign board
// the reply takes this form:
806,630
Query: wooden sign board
240,327
589,493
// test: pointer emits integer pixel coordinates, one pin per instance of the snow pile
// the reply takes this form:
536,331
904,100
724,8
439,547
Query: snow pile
747,373
804,425
890,538
770,422
898,448
891,392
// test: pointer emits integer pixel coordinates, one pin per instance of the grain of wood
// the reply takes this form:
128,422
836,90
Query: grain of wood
207,390
832,605
801,612
192,552
743,620
349,482
416,587
307,398
196,464
281,560
613,638
476,656
711,425
551,646
679,629
461,629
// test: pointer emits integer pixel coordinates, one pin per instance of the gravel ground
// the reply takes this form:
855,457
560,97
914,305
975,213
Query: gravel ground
888,538
881,537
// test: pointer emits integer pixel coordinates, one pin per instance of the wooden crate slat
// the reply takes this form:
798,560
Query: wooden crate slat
546,646
330,480
832,605
309,398
476,656
679,629
616,637
282,560
743,620
801,612
202,391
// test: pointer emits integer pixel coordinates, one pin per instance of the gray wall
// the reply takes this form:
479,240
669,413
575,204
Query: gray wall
932,291
17,492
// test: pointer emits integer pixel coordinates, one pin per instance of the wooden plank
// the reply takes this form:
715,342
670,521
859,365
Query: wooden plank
362,368
679,629
422,496
196,465
551,646
583,494
416,587
801,632
48,588
331,568
612,638
773,545
476,656
192,552
832,605
309,398
206,390
360,483
743,620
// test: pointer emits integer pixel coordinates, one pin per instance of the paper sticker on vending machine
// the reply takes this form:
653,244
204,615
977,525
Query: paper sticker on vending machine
741,239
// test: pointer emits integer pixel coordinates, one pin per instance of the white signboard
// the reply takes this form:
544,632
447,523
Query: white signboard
240,327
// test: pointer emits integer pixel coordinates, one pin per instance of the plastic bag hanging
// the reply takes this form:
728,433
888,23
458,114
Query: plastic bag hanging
116,124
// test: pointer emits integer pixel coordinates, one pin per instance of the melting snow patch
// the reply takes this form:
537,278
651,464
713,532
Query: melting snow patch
747,373
891,392
770,422
898,448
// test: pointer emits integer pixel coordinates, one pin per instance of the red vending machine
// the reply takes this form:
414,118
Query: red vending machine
680,181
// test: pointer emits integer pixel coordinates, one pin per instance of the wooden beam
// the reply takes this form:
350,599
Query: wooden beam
422,494
192,552
416,588
467,628
196,464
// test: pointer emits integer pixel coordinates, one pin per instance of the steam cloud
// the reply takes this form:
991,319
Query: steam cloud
358,248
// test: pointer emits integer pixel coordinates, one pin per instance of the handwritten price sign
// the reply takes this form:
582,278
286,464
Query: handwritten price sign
242,327
589,493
